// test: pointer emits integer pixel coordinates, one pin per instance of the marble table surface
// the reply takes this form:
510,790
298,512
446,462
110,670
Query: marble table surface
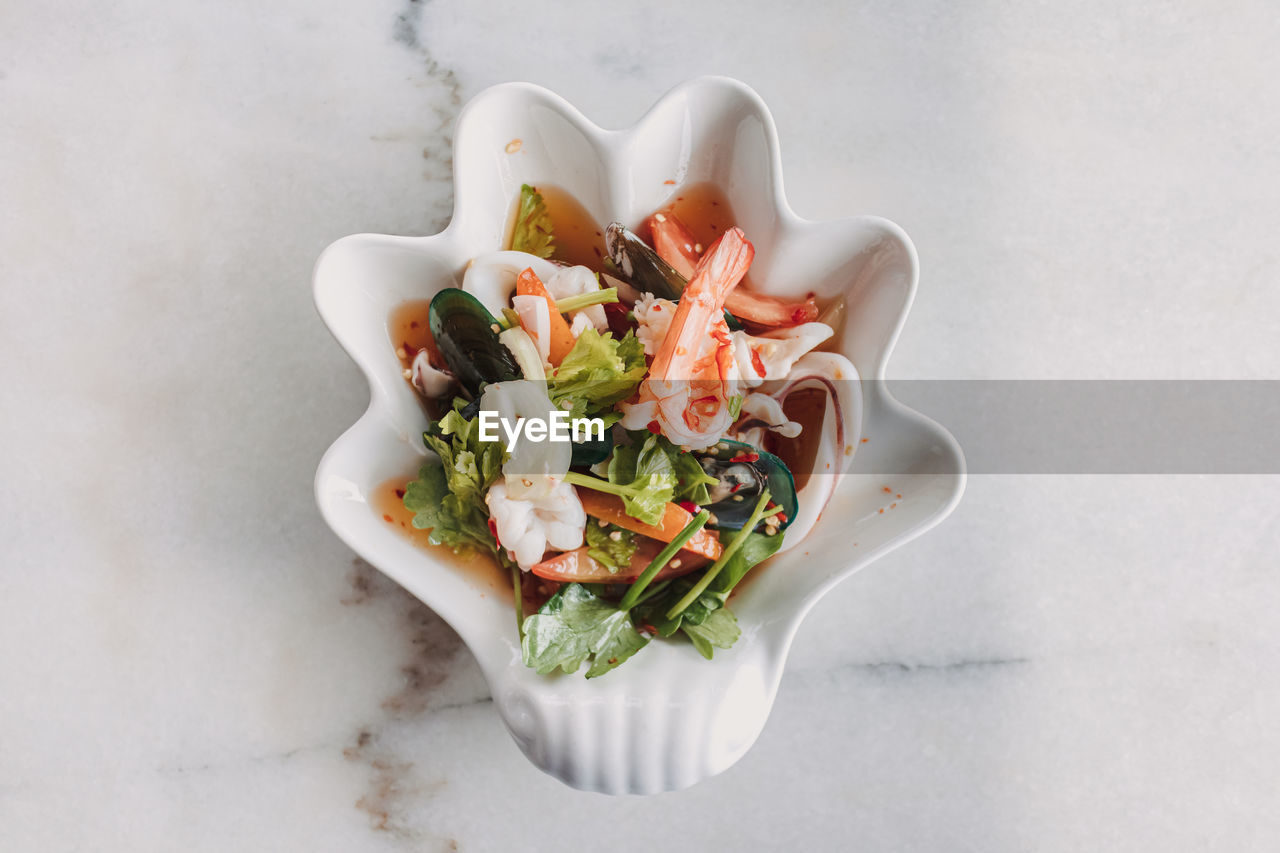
190,660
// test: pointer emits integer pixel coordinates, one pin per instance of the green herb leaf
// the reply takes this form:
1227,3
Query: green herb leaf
608,550
707,622
597,373
646,471
448,496
691,479
755,550
654,611
575,625
719,629
532,231
735,405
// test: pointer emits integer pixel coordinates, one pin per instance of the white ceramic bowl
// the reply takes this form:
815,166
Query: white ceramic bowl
667,719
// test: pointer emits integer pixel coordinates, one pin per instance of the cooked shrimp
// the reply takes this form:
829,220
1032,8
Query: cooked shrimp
690,381
676,245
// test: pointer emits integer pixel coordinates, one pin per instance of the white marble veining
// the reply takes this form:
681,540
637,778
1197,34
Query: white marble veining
192,661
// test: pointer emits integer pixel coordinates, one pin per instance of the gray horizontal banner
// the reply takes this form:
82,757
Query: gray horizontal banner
1106,426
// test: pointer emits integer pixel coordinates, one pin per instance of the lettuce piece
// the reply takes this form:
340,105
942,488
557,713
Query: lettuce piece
532,231
597,373
448,496
608,550
574,625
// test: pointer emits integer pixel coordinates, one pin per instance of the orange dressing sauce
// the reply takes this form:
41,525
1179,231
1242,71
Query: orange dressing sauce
704,209
387,502
576,237
807,407
408,329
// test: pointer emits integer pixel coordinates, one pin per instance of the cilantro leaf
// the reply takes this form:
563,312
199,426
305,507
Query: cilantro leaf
597,373
608,550
448,496
574,625
532,231
691,479
648,477
719,629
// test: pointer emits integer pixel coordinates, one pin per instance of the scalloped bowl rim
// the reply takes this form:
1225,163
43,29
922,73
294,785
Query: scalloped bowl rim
375,415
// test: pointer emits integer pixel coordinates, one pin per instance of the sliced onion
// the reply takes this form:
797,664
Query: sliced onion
525,352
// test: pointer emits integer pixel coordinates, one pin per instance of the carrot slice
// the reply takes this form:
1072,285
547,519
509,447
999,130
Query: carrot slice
607,507
575,566
562,340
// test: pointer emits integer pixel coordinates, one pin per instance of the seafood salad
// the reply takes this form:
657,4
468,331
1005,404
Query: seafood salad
684,477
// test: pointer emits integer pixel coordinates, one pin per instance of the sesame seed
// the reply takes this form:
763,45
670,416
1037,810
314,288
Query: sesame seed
616,536
697,247
602,522
659,217
400,353
675,564
495,327
737,497
408,374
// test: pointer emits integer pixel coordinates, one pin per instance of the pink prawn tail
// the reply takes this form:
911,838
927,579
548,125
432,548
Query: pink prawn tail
723,266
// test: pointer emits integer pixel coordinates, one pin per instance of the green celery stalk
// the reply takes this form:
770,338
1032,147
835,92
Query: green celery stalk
696,524
737,542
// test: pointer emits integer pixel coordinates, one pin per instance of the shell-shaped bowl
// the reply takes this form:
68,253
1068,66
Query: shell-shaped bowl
667,718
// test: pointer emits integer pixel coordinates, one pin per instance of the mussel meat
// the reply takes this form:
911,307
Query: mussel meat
464,333
744,473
